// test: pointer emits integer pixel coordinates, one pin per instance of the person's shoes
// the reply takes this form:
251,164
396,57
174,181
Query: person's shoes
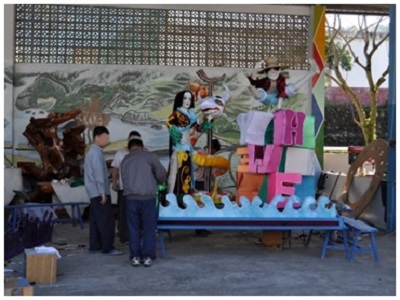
113,253
135,262
148,262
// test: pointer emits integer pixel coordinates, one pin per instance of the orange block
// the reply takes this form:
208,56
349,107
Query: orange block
243,167
248,185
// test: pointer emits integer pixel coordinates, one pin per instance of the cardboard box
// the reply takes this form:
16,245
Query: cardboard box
17,287
41,267
272,239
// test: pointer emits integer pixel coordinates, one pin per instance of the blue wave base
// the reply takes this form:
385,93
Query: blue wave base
294,208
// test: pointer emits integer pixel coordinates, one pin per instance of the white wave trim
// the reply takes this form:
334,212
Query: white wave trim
309,208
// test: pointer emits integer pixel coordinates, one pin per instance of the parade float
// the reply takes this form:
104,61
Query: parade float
276,179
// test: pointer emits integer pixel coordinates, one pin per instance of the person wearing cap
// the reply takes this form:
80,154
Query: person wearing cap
141,172
118,187
272,89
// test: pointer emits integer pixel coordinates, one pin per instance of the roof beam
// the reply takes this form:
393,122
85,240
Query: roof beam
363,9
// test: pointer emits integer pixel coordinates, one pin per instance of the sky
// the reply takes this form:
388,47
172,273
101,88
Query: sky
349,21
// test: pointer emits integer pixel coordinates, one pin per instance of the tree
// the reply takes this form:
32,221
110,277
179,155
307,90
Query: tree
339,52
92,115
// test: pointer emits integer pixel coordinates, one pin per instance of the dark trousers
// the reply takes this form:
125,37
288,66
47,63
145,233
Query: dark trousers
142,224
122,223
102,225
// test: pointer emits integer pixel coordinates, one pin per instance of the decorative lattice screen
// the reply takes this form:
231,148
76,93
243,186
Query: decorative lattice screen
106,35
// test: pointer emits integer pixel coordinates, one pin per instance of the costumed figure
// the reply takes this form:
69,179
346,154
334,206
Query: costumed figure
212,107
198,89
272,89
181,123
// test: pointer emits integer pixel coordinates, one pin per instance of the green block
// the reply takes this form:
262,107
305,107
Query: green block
262,192
308,133
269,134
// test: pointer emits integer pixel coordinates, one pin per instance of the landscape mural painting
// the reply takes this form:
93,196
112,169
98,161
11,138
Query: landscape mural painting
123,98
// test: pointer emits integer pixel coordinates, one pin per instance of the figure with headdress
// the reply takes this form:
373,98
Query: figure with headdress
273,88
181,124
184,130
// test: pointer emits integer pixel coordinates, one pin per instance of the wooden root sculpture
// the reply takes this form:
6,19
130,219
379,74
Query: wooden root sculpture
59,157
376,151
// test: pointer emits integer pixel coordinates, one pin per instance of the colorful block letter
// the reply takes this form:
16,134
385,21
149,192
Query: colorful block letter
264,160
282,184
288,127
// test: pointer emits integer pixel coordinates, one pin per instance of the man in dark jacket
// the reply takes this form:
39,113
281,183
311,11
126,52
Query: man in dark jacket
140,172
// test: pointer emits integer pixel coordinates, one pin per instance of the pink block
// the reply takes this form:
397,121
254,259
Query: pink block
288,127
282,184
282,204
264,161
297,129
256,154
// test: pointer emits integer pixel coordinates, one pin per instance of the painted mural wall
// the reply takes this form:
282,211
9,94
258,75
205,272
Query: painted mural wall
123,98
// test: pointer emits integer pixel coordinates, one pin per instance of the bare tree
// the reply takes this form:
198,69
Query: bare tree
339,44
92,115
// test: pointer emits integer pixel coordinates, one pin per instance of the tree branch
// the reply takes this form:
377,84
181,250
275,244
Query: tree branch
332,78
382,79
377,45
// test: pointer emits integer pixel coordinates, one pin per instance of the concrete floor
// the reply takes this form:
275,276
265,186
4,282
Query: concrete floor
224,263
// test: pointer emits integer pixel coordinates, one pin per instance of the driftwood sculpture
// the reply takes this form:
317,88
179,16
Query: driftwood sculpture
59,157
377,152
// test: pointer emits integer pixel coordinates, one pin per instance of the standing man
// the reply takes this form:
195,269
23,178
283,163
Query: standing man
141,171
102,226
118,187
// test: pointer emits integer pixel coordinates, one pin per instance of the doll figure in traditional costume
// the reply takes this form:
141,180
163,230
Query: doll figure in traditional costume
181,124
272,89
